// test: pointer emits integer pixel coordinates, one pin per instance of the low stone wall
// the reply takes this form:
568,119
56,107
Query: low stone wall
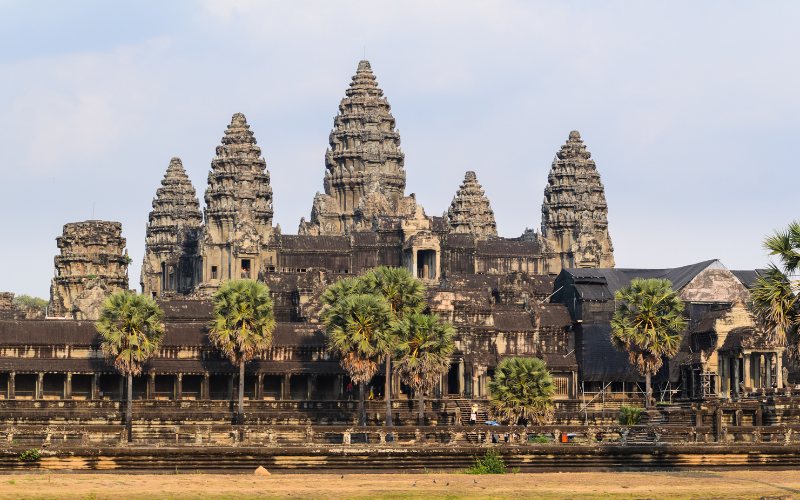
367,458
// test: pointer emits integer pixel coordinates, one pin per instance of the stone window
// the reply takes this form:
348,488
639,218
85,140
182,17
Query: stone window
245,274
213,272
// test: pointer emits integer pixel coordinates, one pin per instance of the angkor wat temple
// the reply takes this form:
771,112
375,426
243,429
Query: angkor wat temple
546,293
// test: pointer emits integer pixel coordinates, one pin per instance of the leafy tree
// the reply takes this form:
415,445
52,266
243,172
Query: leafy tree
242,325
522,389
405,295
357,328
774,297
131,331
647,325
33,307
426,344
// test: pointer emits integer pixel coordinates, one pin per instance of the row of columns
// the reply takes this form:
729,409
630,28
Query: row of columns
150,387
759,370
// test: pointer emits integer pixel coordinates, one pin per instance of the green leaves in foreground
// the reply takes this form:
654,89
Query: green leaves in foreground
522,389
490,463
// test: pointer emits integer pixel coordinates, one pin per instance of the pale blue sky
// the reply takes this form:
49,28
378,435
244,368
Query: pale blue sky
690,110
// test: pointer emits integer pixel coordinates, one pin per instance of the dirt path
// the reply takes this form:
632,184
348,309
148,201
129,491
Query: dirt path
729,484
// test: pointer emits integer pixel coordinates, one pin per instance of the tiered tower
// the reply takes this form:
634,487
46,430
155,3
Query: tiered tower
92,264
170,254
574,212
364,166
470,211
238,214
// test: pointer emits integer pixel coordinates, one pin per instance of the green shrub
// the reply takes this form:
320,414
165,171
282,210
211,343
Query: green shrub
539,439
629,415
30,455
490,463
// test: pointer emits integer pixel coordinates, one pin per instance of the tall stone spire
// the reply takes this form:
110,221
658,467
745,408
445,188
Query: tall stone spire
364,166
174,224
238,184
470,211
574,212
238,214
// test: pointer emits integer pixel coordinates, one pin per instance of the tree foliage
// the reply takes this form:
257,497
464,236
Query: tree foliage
243,320
522,389
33,307
357,328
131,330
647,323
424,349
774,297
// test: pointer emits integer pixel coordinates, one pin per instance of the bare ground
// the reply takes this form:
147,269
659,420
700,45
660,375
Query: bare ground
727,484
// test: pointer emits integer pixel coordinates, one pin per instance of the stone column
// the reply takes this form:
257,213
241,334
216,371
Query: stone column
230,386
122,388
723,376
205,387
260,386
735,380
768,370
68,386
39,392
759,363
12,385
95,386
748,382
179,387
309,386
461,377
779,369
286,386
151,386
339,387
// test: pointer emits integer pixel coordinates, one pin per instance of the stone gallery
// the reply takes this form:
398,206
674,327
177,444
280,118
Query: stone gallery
546,293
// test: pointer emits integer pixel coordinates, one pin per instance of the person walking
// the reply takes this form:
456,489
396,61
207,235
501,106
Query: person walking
473,416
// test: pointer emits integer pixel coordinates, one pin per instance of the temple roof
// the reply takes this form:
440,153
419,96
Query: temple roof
176,210
470,211
239,182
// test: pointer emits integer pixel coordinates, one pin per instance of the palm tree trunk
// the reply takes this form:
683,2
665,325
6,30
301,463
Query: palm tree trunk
240,411
362,411
421,415
648,390
129,409
388,390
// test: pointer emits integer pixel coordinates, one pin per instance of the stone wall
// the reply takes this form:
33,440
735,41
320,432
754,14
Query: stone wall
91,265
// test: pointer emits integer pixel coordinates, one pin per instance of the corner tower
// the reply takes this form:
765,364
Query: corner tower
238,214
470,211
170,252
364,173
574,212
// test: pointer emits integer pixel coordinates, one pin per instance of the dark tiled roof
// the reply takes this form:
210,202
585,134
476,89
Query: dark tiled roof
501,247
512,321
303,243
748,277
616,278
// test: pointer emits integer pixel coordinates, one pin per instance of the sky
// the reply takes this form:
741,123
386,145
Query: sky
691,111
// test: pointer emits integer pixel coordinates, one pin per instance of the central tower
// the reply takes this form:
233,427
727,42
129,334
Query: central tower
364,173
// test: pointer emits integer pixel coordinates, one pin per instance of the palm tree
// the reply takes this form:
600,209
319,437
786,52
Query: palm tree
404,294
647,325
774,296
242,325
426,343
131,331
357,327
522,389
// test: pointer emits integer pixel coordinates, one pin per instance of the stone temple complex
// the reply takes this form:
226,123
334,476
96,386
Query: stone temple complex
546,293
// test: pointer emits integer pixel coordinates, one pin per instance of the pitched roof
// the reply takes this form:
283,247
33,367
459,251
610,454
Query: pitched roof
591,281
